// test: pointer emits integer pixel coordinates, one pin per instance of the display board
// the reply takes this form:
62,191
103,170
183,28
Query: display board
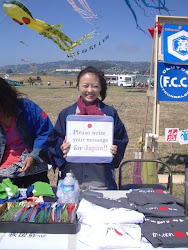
170,64
91,137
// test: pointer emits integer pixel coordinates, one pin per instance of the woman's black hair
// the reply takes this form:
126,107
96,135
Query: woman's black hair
8,96
99,74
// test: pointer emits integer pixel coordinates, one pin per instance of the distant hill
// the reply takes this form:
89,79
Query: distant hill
49,67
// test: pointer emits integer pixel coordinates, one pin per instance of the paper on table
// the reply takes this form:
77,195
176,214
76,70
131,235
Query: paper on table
33,241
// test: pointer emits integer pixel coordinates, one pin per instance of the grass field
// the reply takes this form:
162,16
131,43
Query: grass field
131,105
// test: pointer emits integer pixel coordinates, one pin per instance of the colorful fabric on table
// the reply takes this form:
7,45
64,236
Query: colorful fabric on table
29,191
7,189
88,110
42,189
20,197
40,212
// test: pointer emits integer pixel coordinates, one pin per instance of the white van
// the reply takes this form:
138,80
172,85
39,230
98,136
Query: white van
121,80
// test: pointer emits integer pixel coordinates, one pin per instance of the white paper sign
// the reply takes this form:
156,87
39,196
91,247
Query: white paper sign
183,136
90,137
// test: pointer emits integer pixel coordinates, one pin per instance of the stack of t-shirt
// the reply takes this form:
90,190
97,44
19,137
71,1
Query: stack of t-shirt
165,222
108,228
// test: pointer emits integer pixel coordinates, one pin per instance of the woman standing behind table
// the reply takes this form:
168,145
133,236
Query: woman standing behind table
24,129
91,84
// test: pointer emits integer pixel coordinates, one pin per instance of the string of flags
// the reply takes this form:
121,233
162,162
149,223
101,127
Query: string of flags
91,47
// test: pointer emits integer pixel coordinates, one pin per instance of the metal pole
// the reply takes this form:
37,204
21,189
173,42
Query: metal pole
155,82
186,186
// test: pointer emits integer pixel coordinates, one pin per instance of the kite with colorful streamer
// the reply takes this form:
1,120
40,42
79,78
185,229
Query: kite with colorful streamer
86,12
158,4
18,12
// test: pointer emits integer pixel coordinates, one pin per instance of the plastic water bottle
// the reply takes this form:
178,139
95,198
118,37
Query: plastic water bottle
59,192
68,189
76,190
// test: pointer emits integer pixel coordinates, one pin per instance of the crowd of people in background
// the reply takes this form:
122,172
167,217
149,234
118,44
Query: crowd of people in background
39,82
67,82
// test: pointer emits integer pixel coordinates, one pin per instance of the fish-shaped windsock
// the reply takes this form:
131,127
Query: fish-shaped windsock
18,12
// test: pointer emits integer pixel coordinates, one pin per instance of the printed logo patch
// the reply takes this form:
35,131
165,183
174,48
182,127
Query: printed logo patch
43,114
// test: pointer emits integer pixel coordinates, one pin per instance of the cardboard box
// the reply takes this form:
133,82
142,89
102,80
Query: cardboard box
34,227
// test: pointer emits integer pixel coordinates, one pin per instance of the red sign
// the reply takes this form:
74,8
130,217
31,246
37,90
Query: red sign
171,134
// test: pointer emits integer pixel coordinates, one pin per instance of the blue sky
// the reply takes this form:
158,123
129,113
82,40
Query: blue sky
125,41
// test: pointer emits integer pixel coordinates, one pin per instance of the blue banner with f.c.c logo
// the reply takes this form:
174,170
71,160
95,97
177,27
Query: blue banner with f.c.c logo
175,43
172,82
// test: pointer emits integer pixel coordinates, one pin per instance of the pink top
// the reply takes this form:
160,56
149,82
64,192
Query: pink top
14,145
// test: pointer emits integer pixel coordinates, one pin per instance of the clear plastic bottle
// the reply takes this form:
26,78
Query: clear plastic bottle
76,190
68,189
59,192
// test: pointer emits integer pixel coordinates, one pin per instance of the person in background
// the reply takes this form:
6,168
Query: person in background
24,129
91,85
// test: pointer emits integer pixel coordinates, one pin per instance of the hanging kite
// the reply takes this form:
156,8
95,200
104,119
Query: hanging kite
21,15
24,43
86,12
23,60
159,6
33,65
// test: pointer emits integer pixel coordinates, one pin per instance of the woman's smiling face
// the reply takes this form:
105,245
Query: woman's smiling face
89,87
